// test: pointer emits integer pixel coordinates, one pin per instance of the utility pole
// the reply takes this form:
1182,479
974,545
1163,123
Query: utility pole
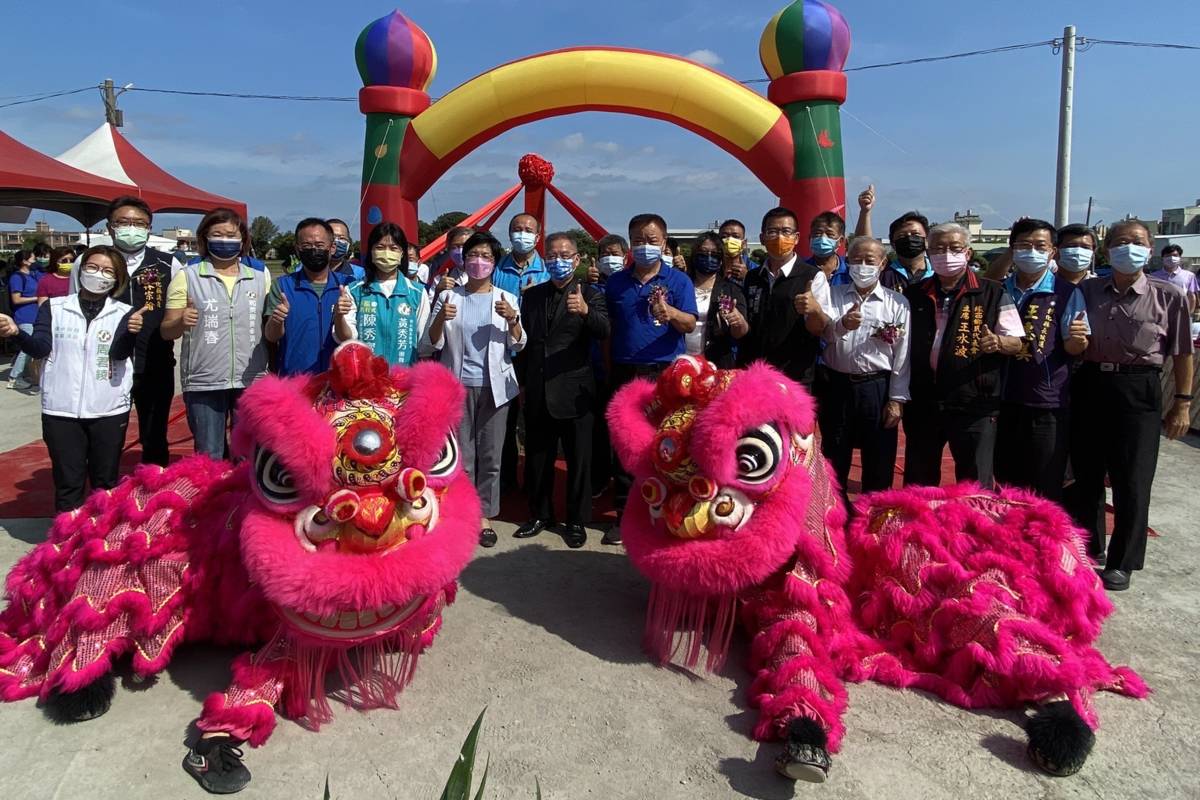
1062,188
1088,221
112,115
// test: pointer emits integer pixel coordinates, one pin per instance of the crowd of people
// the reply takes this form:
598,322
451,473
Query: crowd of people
1041,371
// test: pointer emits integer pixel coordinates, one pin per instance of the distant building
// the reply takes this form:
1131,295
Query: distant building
983,240
1176,221
187,235
15,239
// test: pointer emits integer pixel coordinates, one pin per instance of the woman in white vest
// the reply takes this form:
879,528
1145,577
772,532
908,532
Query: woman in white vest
477,328
216,305
86,339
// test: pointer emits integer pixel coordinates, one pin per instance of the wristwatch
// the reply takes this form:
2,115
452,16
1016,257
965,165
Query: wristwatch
1187,397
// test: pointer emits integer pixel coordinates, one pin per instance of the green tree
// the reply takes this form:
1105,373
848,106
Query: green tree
262,232
428,231
284,245
32,241
585,244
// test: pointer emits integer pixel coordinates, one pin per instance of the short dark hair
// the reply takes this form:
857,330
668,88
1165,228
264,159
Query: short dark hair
639,221
1029,225
335,221
457,230
517,216
376,236
1125,223
216,217
707,236
732,221
779,212
559,235
313,222
483,237
1172,248
131,201
41,249
1077,229
611,239
58,253
119,266
908,216
831,218
673,243
20,257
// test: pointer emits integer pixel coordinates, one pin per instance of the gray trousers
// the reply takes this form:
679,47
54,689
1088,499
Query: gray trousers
481,441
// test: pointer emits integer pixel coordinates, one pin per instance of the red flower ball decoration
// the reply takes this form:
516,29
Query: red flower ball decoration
534,171
688,380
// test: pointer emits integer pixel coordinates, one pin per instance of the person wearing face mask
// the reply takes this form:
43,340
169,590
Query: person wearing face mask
866,370
150,273
87,339
216,307
309,310
446,271
1116,403
522,267
477,329
57,282
22,289
735,260
720,305
340,260
563,318
907,234
1077,247
788,300
611,254
1174,272
414,270
391,311
41,258
673,254
963,326
826,235
1033,433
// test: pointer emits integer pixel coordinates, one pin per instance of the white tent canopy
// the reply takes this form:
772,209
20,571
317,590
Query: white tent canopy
96,153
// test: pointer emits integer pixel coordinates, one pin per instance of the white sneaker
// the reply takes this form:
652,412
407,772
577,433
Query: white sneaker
20,384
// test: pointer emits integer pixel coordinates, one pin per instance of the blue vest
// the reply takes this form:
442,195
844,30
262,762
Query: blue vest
307,342
388,324
1039,375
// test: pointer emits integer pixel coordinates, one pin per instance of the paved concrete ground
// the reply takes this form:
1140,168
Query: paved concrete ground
547,639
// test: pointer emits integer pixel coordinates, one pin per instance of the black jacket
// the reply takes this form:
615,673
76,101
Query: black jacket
966,379
149,285
719,344
559,379
777,332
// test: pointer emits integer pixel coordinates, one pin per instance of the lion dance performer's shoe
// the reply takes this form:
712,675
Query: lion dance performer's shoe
216,764
1059,739
804,757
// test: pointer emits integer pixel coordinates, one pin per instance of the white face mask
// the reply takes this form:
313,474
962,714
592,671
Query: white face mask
1075,259
863,275
96,282
610,264
1172,263
1128,258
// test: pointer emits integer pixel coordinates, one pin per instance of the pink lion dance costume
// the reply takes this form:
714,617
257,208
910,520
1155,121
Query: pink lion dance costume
330,546
985,599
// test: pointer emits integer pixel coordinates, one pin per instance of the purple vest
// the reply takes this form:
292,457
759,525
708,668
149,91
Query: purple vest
1039,376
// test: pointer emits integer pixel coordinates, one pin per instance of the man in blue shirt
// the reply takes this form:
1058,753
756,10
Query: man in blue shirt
522,267
827,235
651,307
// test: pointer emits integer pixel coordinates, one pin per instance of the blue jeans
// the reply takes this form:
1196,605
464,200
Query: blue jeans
21,361
208,414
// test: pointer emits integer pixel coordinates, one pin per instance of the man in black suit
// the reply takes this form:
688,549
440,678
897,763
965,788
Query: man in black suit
562,318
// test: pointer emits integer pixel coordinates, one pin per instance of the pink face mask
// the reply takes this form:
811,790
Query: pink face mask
479,268
948,264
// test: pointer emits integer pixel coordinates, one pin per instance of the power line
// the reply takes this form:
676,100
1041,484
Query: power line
247,96
37,98
1146,44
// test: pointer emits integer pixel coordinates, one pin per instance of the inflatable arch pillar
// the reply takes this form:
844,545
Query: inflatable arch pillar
790,140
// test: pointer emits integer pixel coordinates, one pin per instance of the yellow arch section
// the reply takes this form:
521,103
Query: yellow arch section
601,78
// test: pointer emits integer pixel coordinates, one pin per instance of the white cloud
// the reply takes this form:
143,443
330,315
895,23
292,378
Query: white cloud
607,147
572,141
705,57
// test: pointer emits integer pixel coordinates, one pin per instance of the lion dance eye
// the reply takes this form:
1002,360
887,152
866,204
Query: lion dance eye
447,462
758,454
273,478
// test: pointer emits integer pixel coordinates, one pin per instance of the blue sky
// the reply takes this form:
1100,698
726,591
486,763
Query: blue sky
974,133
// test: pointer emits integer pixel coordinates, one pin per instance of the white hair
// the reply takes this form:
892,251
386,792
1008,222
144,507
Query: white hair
860,240
947,228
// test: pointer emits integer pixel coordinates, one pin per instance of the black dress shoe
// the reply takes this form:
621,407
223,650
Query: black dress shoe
1098,559
1115,580
532,528
574,535
612,535
487,538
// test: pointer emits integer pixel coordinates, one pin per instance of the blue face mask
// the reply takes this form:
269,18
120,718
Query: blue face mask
340,248
561,269
610,264
1030,261
1128,258
1075,259
822,245
522,241
645,255
224,249
706,263
456,257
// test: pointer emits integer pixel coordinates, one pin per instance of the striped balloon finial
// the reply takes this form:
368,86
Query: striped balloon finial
807,35
394,51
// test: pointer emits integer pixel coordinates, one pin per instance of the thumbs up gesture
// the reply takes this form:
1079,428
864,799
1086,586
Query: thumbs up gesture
805,303
866,198
853,318
134,325
449,311
281,311
1078,332
344,304
575,302
7,326
190,315
988,341
504,309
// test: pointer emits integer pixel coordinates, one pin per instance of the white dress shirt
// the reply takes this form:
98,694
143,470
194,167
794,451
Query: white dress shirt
863,350
818,286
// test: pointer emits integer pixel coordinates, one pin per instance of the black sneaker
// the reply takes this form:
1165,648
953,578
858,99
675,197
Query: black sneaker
216,763
487,538
613,534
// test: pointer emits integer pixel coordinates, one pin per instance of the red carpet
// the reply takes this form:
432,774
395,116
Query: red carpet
26,488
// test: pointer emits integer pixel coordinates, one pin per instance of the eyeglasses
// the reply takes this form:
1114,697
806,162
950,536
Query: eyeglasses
562,255
130,223
775,233
96,269
942,249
